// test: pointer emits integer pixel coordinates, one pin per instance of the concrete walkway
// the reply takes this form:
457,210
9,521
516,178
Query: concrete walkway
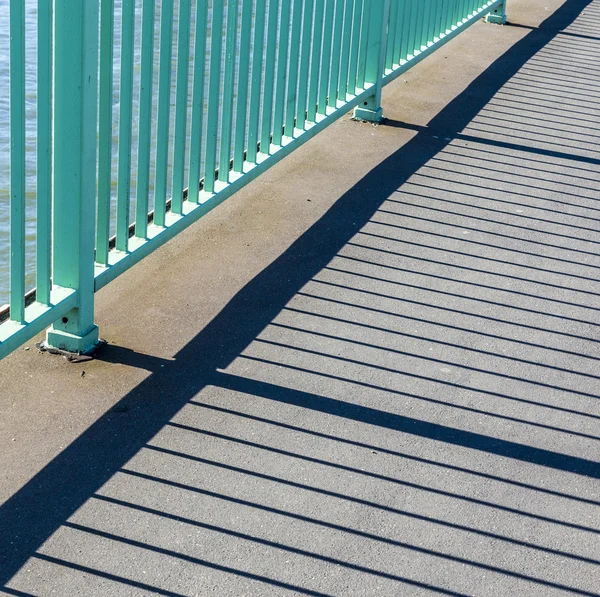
373,372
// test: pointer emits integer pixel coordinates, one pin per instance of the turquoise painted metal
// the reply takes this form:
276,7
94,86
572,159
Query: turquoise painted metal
75,105
498,15
266,76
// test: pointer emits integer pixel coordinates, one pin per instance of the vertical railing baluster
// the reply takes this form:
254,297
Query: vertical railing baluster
269,77
17,160
429,17
241,113
105,132
364,42
313,86
292,82
44,153
229,79
197,101
389,59
164,111
326,57
125,116
257,77
400,34
301,104
456,17
145,120
74,179
336,54
439,15
412,28
355,47
282,68
444,16
181,109
407,18
419,26
214,95
455,12
342,91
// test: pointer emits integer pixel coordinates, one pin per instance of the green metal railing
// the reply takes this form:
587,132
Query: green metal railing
254,80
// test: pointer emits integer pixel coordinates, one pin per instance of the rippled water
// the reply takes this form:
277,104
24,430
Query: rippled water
31,114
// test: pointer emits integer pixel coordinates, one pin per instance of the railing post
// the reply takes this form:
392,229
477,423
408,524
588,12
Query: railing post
379,17
74,158
498,15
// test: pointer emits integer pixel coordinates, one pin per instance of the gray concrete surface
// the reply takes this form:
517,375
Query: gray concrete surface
372,372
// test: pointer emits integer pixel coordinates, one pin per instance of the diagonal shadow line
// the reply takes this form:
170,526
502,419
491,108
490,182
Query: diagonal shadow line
379,538
363,502
458,281
504,248
105,575
371,293
504,201
311,459
542,100
484,232
579,35
421,357
479,125
564,57
139,585
434,380
431,340
549,82
557,81
264,579
462,296
527,137
434,323
557,75
441,129
509,169
403,455
516,84
532,81
504,192
508,104
461,281
336,561
562,74
445,249
551,90
403,424
561,64
15,593
509,183
461,267
331,526
526,148
526,110
571,136
44,503
518,104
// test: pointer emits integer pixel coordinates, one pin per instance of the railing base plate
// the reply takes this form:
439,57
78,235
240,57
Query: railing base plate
496,18
60,342
368,115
